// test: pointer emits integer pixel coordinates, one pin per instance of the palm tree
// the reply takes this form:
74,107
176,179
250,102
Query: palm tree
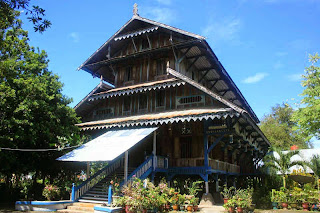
283,162
314,165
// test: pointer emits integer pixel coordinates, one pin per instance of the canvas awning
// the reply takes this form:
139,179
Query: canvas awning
108,146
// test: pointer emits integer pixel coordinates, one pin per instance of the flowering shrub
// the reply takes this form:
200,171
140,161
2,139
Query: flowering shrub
51,192
115,182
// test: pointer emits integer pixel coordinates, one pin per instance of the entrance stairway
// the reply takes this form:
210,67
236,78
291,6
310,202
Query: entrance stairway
95,189
99,192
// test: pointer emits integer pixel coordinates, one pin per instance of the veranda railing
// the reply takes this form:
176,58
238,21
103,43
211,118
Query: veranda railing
78,191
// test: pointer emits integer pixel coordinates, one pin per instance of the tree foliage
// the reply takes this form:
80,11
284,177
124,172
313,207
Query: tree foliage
34,114
36,14
308,116
281,130
280,161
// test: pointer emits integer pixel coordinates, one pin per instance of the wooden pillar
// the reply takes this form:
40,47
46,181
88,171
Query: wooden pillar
176,147
88,170
126,159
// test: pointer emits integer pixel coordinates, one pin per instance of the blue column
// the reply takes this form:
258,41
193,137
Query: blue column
110,195
205,143
73,193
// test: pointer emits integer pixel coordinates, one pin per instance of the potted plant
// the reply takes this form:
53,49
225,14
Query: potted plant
274,198
230,205
283,199
115,183
227,193
182,200
189,199
174,200
195,202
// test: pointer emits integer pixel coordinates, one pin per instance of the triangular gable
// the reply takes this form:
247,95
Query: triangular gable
242,112
99,88
148,21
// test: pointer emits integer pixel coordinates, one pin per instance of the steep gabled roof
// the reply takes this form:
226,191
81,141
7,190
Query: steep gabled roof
124,31
101,87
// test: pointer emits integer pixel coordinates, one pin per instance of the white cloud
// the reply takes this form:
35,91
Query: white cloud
160,14
255,78
75,37
223,30
295,77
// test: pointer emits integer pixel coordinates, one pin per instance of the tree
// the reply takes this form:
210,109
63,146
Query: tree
308,116
7,14
314,165
282,163
34,114
281,130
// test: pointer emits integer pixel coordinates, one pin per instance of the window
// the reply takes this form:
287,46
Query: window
128,74
103,113
161,66
160,98
193,99
143,101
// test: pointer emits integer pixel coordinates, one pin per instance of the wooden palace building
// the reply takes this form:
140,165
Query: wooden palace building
172,110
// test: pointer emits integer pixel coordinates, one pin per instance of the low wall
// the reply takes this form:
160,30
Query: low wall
41,205
104,209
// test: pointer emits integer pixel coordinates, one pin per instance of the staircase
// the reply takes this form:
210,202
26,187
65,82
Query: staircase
99,192
79,207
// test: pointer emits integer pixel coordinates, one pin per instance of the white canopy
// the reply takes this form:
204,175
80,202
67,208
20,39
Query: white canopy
108,146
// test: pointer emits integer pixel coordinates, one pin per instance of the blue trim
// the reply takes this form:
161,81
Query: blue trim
107,209
161,170
146,174
215,142
110,195
138,168
39,203
98,173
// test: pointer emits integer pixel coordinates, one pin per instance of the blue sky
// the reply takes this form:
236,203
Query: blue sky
263,44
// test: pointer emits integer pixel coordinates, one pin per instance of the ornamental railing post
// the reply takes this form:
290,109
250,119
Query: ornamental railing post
73,192
110,195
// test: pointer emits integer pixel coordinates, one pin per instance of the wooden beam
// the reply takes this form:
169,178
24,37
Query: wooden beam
192,63
134,45
195,56
150,45
203,76
215,143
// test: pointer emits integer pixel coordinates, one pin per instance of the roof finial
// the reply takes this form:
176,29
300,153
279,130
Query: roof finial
135,9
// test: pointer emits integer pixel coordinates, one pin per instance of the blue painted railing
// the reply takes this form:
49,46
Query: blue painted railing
78,191
143,171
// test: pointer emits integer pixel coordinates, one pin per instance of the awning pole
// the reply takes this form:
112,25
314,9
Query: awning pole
88,170
126,154
154,150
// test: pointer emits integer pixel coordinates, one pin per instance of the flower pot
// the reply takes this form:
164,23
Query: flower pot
195,208
231,209
294,205
225,200
305,206
274,205
115,198
144,211
167,207
284,205
189,208
128,209
239,209
175,207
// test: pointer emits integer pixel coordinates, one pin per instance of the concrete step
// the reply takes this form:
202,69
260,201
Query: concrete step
97,192
92,201
94,198
95,195
84,204
80,208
